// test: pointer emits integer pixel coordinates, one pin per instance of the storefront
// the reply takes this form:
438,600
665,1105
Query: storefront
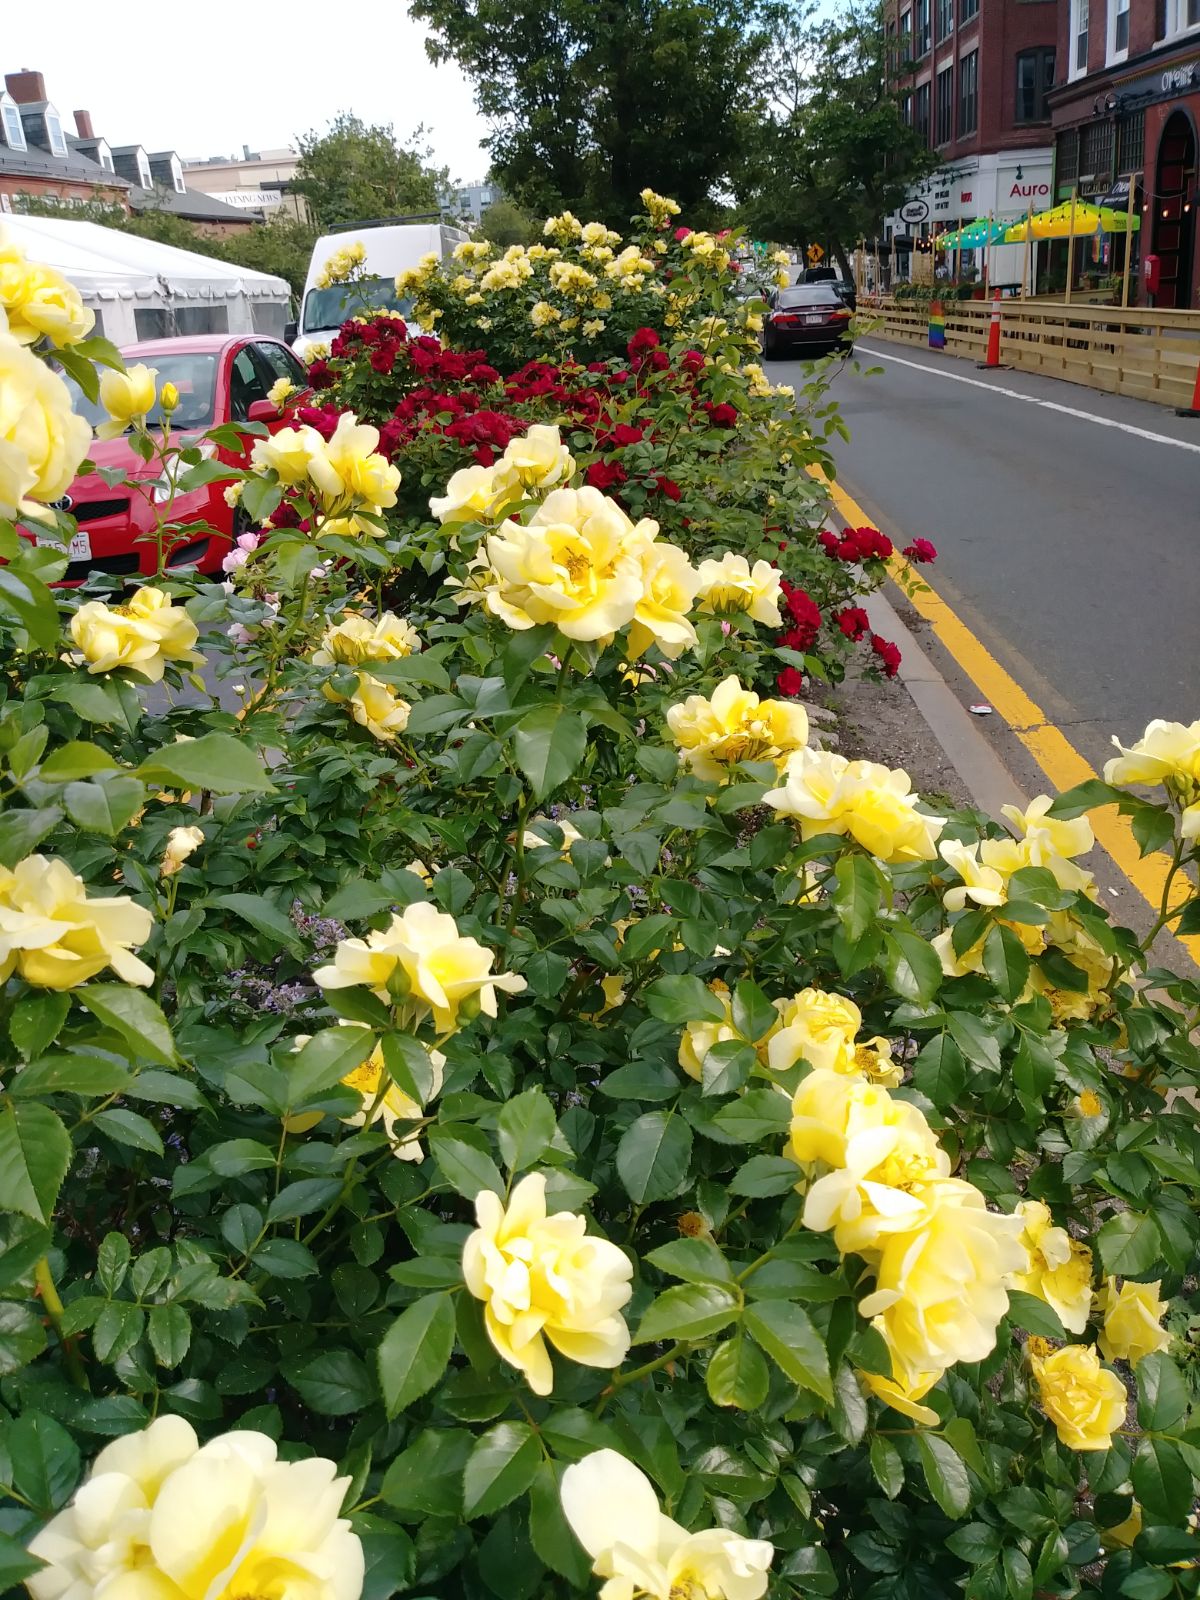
1004,185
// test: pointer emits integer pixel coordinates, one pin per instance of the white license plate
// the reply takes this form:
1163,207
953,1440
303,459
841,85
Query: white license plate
79,549
814,319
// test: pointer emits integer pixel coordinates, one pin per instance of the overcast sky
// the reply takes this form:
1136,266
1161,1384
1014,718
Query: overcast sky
206,80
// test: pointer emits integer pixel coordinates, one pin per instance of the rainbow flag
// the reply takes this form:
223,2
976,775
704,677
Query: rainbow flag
937,326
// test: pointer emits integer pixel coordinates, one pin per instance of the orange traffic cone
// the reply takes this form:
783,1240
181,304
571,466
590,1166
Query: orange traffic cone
993,349
1194,409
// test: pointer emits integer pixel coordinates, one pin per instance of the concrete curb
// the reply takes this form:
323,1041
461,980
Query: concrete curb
985,776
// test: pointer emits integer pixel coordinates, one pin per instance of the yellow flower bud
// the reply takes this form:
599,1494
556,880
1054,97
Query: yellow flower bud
169,398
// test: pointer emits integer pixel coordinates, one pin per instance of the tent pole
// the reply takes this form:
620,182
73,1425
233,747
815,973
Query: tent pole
1071,249
1128,240
1026,274
987,256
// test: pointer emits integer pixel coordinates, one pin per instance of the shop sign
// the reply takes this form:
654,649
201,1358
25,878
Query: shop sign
914,211
1183,78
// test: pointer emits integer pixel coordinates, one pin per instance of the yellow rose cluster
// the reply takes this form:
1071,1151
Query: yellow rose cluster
1168,753
534,461
142,635
42,441
56,937
715,734
942,1262
814,1026
356,639
37,302
421,961
342,264
545,1277
160,1514
730,586
374,705
873,804
659,209
350,479
382,1101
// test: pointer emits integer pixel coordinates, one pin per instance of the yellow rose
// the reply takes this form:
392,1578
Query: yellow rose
181,843
472,250
543,314
1060,1268
1085,1401
940,1288
592,327
820,1027
873,1057
143,635
903,1396
538,458
39,302
126,396
440,970
341,265
734,726
698,1038
614,1513
55,937
730,585
348,466
287,454
563,227
545,1277
1132,1317
1167,753
669,583
385,1101
356,639
374,706
660,209
575,564
981,884
476,494
280,392
871,803
160,1515
42,441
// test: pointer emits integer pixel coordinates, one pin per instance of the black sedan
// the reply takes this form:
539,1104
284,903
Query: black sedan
809,317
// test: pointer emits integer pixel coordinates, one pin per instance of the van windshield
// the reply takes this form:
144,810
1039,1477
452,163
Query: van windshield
329,308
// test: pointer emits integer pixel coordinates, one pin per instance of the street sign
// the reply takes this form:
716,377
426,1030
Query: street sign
815,255
914,210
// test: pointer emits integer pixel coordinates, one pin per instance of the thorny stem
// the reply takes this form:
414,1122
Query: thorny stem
54,1310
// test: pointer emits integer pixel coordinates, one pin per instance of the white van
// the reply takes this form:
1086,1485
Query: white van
390,247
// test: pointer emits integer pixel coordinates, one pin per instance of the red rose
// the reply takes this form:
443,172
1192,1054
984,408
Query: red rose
383,359
658,361
667,486
681,234
320,375
643,340
920,550
623,434
790,682
692,361
888,653
324,421
872,545
605,475
853,622
721,416
829,542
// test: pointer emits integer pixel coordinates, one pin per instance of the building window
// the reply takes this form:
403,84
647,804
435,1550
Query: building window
923,40
945,19
1181,16
177,176
906,37
921,111
945,105
906,110
967,9
1118,31
1066,156
1096,153
14,133
1079,37
1131,142
58,145
1035,77
143,167
968,94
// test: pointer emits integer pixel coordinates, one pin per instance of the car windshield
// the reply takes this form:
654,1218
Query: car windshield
329,308
192,373
817,294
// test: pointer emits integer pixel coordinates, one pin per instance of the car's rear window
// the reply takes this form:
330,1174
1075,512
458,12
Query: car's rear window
193,373
814,294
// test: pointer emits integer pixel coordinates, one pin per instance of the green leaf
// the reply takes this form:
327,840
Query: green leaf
527,1126
22,1336
36,1020
693,1260
35,1153
500,1467
912,965
549,745
1129,1244
945,1473
858,895
128,1128
765,1175
465,1161
16,1564
975,1039
26,601
104,806
689,1311
1005,962
415,1351
264,917
1162,1394
69,1074
1085,797
302,1198
887,1466
408,1065
112,1262
939,1071
170,1330
22,831
134,1016
215,761
727,1066
654,1156
787,1334
753,1013
738,1374
1162,1481
549,1531
45,1461
758,1115
681,999
1018,1573
357,899
1034,1315
335,1383
325,1060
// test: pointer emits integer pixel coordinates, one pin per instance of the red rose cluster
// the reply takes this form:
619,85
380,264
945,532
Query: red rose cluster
857,544
920,550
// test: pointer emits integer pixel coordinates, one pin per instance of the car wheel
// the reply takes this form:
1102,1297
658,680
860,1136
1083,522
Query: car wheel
770,348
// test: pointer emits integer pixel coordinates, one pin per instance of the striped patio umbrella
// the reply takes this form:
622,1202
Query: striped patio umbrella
1057,223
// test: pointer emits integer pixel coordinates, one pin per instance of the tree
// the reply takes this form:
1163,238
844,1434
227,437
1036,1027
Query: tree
836,155
591,100
504,223
357,170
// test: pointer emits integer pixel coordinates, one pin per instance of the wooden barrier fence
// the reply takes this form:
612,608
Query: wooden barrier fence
1149,355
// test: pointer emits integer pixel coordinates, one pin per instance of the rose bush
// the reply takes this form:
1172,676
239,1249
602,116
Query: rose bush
540,1120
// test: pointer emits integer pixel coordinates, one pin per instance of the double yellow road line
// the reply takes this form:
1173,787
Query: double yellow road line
1054,753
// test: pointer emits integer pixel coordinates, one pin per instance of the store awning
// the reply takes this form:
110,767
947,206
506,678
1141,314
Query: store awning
1078,220
973,235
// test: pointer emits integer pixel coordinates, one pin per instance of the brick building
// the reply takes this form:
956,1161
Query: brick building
1127,109
973,77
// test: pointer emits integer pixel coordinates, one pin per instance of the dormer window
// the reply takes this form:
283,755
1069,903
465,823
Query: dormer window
58,145
143,167
177,175
104,156
10,120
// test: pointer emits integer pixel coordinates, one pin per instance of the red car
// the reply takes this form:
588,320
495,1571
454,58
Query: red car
220,378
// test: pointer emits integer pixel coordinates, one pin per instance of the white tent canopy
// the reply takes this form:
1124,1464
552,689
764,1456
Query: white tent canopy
142,289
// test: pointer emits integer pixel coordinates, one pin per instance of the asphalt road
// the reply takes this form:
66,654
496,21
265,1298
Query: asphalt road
1069,543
